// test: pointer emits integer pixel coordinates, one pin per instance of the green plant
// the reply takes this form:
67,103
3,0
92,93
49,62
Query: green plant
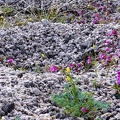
78,103
7,10
37,69
17,118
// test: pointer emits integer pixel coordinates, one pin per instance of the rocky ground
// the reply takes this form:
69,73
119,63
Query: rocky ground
26,84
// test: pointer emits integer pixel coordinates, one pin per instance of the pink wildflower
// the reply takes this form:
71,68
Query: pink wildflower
96,15
71,65
83,109
89,60
95,21
79,65
53,68
82,21
96,5
107,42
103,7
102,56
10,61
80,12
118,77
108,58
107,49
113,32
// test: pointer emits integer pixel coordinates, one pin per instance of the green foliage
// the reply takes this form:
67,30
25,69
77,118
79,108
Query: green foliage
116,86
7,10
17,118
37,69
71,99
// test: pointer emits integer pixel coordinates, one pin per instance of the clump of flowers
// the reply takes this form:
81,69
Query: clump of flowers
118,77
76,102
117,86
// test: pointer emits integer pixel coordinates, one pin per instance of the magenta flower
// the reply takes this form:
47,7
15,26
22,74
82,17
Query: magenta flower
107,42
95,21
80,12
102,56
82,21
89,60
53,68
108,58
118,77
107,49
113,32
83,109
79,65
10,61
103,7
96,15
96,5
71,65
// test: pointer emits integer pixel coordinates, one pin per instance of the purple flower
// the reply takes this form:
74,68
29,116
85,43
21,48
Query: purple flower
107,42
79,65
89,60
83,109
95,21
53,68
80,12
108,58
96,5
82,21
118,77
96,15
113,32
71,65
103,7
107,49
102,56
10,61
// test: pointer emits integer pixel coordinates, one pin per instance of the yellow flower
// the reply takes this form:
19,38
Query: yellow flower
43,55
68,70
96,9
89,93
68,78
93,46
89,5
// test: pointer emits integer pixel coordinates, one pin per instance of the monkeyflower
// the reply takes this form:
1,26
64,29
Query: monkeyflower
53,68
68,78
83,109
79,65
103,8
80,12
71,65
118,77
89,60
95,21
82,21
107,49
113,32
10,61
107,42
102,56
68,70
108,58
96,15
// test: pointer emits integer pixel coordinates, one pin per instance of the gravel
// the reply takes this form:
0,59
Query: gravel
26,84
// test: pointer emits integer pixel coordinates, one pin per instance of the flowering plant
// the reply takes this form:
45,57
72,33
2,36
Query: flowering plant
78,103
117,86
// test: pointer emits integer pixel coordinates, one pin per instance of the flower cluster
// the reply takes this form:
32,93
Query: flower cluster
118,77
